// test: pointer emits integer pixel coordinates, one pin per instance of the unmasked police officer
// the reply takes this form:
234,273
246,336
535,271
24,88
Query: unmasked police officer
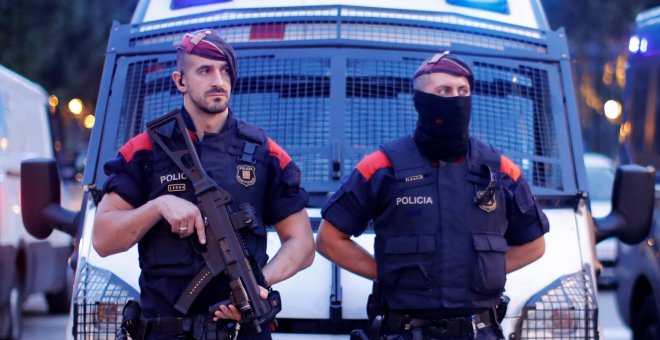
452,217
148,201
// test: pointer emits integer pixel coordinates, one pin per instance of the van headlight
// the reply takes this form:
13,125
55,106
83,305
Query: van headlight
565,309
99,299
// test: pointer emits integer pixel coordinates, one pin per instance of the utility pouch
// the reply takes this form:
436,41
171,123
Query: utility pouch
130,322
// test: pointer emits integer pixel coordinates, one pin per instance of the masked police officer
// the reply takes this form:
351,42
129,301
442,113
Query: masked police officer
451,215
148,200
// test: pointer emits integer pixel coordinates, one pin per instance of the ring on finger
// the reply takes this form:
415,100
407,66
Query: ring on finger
183,228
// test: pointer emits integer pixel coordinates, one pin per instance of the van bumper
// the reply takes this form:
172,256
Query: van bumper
7,272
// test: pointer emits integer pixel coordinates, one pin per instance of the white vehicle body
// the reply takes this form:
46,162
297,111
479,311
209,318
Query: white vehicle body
600,175
27,265
520,65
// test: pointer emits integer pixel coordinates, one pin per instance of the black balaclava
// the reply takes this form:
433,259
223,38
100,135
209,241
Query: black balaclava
442,124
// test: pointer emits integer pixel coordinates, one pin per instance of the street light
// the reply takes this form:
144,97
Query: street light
75,106
53,100
612,109
89,121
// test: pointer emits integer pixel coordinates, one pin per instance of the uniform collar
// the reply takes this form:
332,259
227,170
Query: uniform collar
187,119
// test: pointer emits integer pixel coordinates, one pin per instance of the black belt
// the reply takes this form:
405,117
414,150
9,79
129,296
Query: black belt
460,326
182,326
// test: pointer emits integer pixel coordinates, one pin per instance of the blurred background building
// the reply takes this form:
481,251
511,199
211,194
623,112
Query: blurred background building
61,45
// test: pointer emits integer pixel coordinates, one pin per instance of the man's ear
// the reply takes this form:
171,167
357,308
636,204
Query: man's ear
177,78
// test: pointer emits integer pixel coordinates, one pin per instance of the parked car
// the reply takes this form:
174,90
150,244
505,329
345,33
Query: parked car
600,180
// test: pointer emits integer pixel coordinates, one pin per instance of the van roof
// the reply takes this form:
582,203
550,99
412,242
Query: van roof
10,77
525,13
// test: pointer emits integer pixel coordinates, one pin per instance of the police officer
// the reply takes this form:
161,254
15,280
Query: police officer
451,215
148,200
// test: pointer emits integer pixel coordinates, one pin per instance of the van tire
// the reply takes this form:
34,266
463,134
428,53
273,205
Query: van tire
14,315
647,324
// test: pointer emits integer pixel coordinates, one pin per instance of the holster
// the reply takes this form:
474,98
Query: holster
130,322
500,309
376,309
358,334
375,302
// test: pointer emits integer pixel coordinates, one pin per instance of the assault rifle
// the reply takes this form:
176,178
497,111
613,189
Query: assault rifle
224,251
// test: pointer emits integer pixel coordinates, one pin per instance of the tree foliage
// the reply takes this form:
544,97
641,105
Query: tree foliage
60,44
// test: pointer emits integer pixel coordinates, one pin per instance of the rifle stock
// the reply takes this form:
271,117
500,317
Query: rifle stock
224,251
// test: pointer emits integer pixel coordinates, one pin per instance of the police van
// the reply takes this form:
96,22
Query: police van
27,265
638,267
330,80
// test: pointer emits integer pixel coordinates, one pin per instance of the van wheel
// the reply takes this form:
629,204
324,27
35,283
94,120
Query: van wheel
12,317
647,325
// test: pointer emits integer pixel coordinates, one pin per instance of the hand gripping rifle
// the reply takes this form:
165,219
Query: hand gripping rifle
224,251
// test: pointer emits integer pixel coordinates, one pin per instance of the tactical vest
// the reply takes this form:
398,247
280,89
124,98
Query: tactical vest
237,159
434,247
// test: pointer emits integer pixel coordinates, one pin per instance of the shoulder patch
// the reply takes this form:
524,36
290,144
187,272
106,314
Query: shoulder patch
372,163
135,144
275,150
509,168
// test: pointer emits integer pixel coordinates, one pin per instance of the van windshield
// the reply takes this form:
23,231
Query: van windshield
329,109
331,89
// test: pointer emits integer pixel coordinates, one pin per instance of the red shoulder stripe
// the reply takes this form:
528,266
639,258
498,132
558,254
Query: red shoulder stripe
135,144
275,150
509,168
372,163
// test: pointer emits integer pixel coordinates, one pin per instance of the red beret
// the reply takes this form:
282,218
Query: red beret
447,63
206,44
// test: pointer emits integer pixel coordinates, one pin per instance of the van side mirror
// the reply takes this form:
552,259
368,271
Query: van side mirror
40,199
632,205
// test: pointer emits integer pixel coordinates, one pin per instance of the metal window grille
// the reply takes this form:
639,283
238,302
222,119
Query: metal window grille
290,99
290,95
379,104
98,303
567,309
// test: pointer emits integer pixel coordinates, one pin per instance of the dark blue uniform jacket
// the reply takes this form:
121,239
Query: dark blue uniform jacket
435,248
267,179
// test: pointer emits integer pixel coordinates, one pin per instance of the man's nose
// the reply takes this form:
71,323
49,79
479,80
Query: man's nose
218,78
